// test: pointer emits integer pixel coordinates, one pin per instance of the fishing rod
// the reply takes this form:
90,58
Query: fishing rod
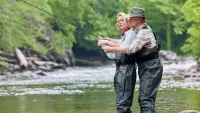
57,17
101,51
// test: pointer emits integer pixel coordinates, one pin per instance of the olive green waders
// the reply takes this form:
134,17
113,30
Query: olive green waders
124,82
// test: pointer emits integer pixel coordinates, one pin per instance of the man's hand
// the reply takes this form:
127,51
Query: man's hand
107,49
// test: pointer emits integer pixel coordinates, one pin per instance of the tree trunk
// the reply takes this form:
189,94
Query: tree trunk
168,32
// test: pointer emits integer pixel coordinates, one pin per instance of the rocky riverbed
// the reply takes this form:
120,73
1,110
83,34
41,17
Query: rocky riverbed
180,67
177,67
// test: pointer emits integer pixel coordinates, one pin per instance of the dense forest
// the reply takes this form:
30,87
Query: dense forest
175,22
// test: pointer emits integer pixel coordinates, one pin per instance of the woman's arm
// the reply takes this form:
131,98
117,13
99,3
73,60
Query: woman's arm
108,49
107,42
117,41
113,40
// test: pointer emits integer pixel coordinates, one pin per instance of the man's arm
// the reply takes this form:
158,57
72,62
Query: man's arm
143,37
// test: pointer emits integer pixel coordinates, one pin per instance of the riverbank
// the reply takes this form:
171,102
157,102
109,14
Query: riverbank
177,67
90,77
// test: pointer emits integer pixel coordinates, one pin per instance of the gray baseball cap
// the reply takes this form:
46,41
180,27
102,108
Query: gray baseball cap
137,12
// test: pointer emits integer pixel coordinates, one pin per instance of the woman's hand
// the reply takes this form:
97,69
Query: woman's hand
99,38
102,42
102,38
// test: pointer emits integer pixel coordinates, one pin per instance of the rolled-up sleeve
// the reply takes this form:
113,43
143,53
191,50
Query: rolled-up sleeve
111,55
142,38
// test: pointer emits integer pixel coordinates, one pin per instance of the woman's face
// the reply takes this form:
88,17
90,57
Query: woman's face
121,23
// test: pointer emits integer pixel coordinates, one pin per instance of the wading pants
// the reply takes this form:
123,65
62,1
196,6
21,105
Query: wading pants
150,74
124,82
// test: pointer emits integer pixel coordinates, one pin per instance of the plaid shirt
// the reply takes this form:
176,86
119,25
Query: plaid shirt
143,38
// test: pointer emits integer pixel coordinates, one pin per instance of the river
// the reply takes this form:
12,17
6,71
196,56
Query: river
86,90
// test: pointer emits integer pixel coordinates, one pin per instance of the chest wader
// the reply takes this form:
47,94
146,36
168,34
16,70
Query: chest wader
124,82
150,71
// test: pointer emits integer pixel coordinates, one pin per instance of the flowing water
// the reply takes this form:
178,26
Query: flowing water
85,90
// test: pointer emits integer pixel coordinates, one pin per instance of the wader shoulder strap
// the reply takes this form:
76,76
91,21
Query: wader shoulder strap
157,41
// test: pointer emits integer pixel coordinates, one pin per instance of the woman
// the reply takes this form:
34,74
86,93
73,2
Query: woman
146,51
125,75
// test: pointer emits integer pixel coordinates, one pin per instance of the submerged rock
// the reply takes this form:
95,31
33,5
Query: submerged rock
190,111
41,73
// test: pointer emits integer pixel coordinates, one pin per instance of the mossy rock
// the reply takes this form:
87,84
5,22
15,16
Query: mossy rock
3,65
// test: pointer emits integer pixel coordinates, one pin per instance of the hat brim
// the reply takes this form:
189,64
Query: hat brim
129,16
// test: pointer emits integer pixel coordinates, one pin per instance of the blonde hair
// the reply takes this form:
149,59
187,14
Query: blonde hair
124,16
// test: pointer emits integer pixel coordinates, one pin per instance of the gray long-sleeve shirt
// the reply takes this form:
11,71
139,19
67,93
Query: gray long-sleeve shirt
125,40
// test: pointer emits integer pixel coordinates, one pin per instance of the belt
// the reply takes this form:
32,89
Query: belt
147,58
129,62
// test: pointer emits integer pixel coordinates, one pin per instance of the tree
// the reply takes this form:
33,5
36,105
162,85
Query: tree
191,12
163,17
19,28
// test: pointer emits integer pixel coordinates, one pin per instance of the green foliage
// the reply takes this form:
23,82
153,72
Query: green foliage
191,12
19,28
164,15
24,26
3,65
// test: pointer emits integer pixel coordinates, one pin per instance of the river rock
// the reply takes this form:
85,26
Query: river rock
45,63
180,67
190,111
41,73
45,68
6,73
168,55
50,56
70,56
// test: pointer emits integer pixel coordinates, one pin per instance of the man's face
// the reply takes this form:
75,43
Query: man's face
133,21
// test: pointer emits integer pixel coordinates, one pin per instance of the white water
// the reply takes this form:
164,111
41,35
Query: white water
74,80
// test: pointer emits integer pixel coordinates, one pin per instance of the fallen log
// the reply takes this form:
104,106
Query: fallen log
22,59
32,59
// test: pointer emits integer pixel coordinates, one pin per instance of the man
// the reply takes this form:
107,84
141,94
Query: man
145,48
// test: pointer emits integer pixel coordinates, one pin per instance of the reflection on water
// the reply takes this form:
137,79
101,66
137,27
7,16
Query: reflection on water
92,100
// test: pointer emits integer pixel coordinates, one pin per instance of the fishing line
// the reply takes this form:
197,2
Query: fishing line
101,51
57,17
